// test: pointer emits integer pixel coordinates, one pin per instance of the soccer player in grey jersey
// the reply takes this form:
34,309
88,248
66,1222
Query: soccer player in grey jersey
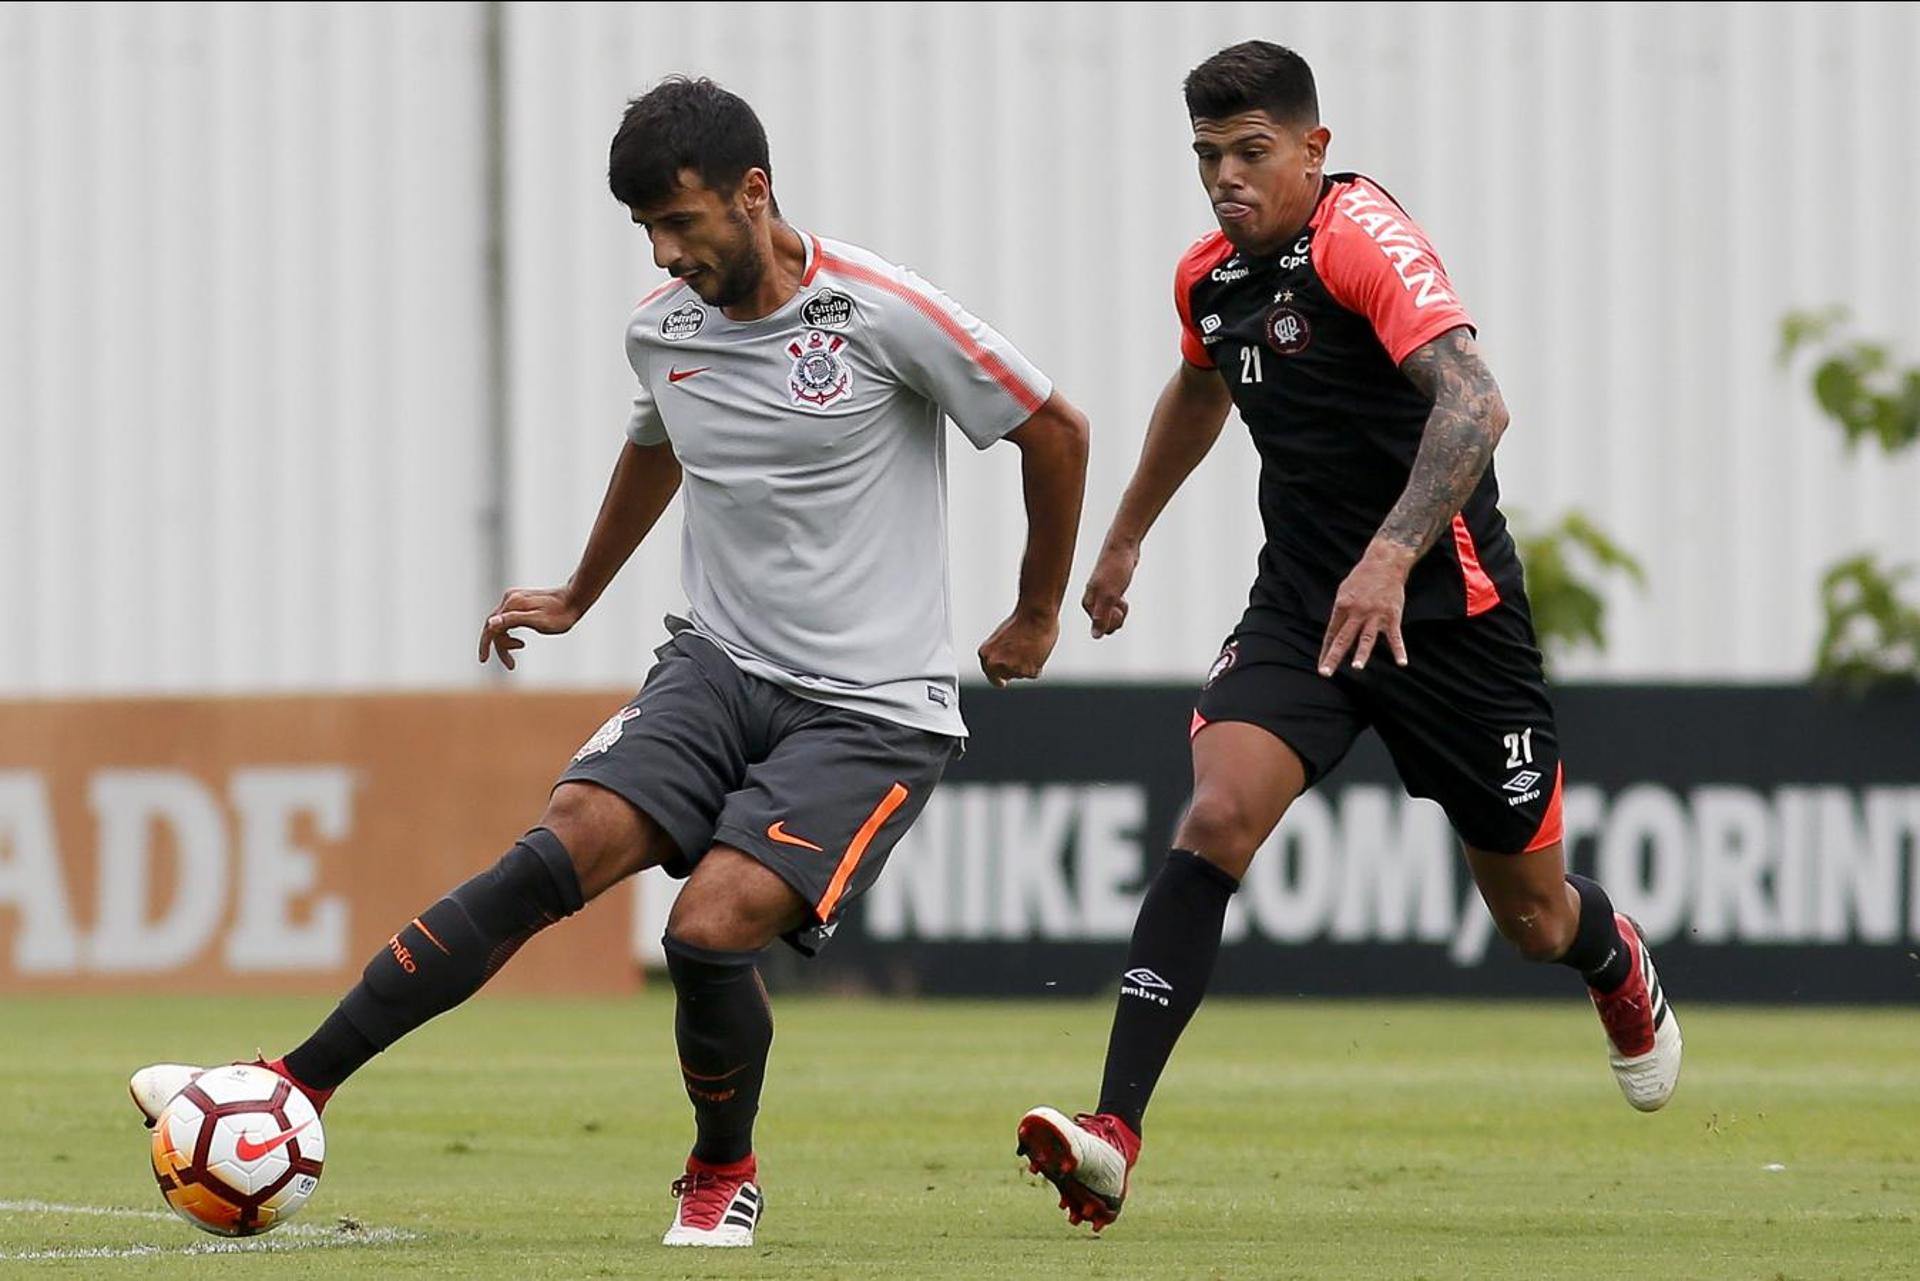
794,390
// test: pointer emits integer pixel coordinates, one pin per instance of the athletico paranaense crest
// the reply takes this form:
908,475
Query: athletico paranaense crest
821,374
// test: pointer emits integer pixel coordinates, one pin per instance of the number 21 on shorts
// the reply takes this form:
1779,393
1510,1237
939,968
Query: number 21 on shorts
1519,748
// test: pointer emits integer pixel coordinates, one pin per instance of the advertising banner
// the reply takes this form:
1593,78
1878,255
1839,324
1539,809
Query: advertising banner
234,844
1766,839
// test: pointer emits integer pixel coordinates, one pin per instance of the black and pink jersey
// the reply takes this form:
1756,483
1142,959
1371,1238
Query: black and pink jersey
1310,342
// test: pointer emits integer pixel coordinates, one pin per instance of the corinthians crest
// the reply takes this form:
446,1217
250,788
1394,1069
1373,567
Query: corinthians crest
608,734
821,374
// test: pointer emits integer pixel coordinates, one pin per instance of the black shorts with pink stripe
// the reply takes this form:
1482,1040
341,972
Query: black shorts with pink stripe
818,794
1468,721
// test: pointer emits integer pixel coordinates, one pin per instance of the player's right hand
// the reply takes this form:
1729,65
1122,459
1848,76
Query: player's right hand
1105,599
548,611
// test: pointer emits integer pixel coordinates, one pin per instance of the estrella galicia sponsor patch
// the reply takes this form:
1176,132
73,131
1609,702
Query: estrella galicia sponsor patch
1287,331
828,309
683,323
608,734
821,374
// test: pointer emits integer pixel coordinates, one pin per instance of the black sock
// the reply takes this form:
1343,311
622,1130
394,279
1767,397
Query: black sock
442,957
724,1028
1175,942
334,1052
1597,951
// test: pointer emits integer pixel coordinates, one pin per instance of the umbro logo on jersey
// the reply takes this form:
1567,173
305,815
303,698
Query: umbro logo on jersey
681,375
1209,323
677,326
1145,984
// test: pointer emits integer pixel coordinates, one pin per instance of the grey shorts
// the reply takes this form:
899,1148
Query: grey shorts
818,794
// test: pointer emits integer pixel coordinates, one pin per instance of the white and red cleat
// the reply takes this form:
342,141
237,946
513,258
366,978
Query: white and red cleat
153,1087
1089,1159
719,1204
1643,1036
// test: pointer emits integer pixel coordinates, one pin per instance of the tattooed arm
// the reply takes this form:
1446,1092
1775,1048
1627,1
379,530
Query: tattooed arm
1467,420
1466,423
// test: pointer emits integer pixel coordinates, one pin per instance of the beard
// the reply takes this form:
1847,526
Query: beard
741,267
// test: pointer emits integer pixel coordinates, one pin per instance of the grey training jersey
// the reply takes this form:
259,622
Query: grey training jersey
814,546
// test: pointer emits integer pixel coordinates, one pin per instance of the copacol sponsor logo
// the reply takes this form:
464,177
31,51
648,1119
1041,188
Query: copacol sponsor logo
1720,864
1144,983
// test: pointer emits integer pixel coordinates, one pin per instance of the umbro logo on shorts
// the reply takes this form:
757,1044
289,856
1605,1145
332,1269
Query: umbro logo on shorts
1520,782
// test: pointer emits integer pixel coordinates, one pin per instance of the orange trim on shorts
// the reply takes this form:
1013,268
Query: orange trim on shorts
896,797
1552,826
1199,723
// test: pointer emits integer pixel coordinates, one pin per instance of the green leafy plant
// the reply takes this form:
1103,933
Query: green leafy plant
1872,632
1855,382
1562,562
1872,636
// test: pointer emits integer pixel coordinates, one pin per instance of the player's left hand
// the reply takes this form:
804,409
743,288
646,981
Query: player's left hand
1368,606
1019,647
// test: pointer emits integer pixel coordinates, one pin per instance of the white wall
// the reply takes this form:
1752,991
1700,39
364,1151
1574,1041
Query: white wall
239,336
241,351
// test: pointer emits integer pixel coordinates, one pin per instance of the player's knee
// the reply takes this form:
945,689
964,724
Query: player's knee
1539,929
717,923
1223,829
734,912
605,836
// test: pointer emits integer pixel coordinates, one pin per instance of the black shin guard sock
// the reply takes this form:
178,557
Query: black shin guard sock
443,956
336,1050
724,1028
1175,942
1597,951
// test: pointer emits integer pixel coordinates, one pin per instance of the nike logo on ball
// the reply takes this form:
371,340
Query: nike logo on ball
247,1150
676,375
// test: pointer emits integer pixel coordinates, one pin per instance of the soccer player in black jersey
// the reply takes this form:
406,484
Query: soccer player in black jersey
1388,595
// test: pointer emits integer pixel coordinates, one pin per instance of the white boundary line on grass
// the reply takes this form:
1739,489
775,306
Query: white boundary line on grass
295,1236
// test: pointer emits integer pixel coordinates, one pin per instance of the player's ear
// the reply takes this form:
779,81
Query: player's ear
1315,140
756,191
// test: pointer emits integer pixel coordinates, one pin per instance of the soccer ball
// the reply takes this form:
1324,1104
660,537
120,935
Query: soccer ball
238,1150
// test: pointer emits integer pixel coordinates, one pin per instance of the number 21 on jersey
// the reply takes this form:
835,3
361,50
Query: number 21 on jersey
1250,365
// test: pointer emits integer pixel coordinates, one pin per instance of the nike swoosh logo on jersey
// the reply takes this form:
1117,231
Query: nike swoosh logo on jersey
676,375
778,832
247,1150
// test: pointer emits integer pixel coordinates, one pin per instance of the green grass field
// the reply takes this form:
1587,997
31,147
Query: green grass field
1291,1139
